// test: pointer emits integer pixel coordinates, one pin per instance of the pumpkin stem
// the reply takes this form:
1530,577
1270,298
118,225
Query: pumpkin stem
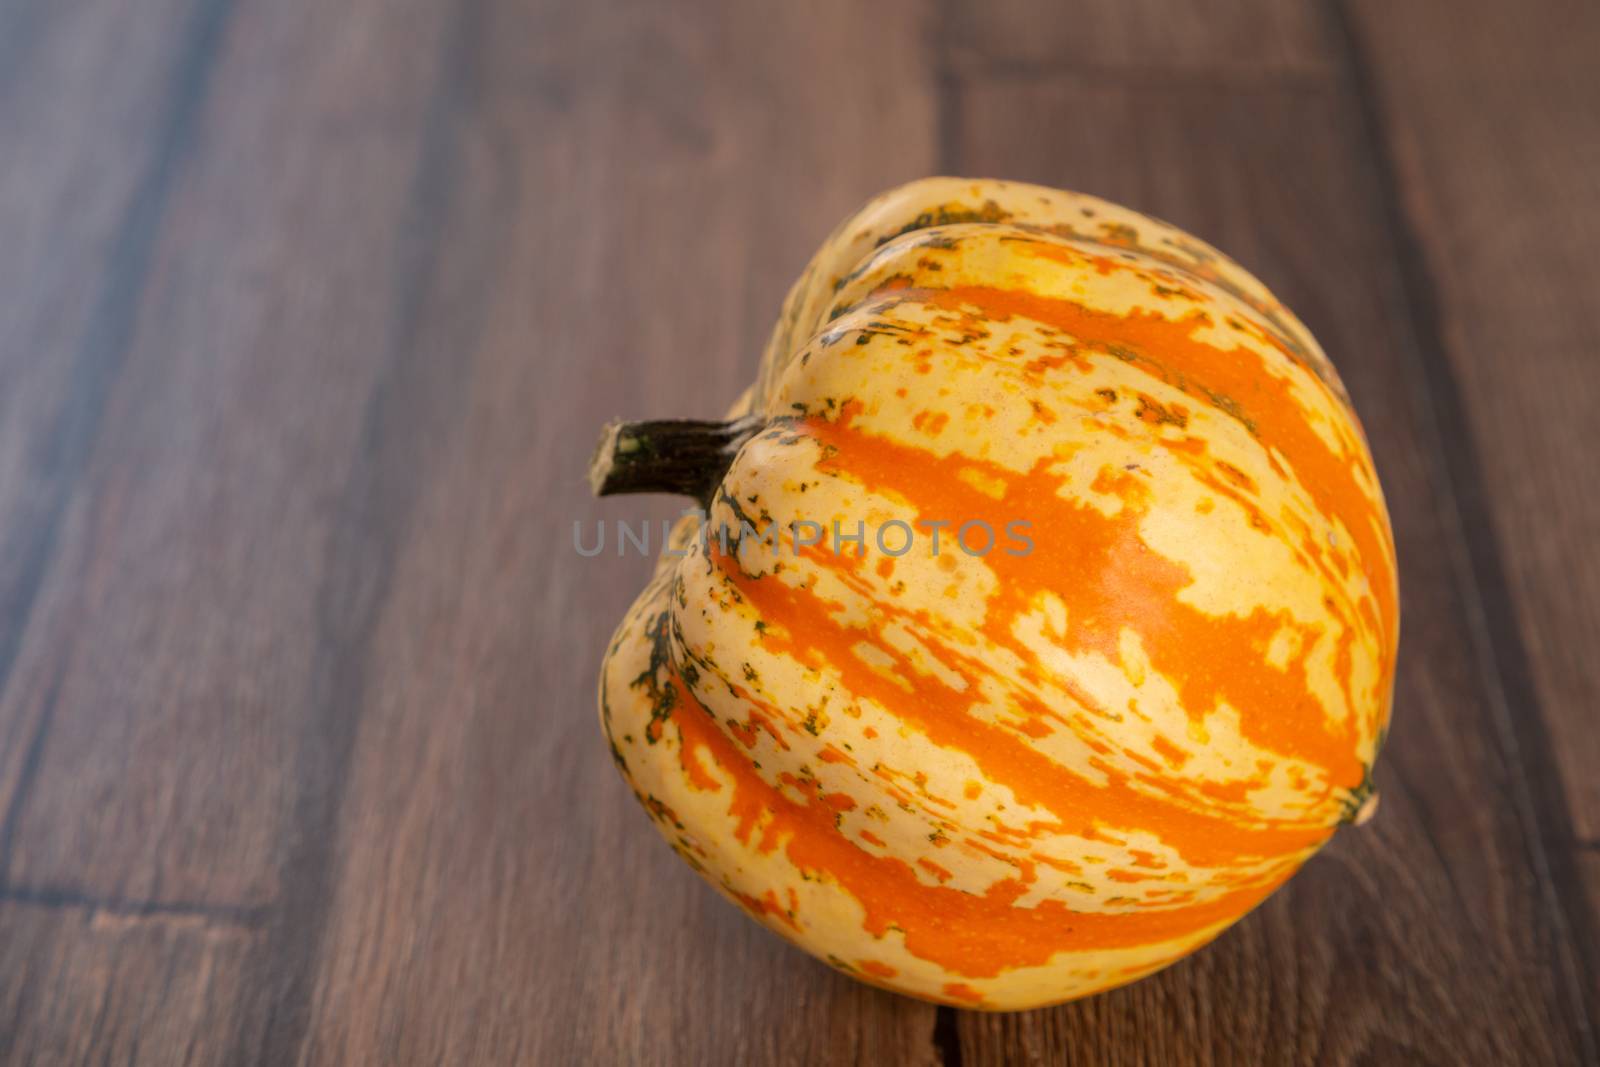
687,457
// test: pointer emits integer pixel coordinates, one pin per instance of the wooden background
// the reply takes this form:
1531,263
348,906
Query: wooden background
309,313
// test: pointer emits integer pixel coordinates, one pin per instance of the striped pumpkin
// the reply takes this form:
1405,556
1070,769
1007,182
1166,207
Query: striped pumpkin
1005,778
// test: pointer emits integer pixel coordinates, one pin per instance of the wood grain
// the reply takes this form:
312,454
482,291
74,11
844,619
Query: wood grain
110,985
309,315
81,186
1500,199
182,616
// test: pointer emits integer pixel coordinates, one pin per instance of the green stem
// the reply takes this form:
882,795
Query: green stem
687,457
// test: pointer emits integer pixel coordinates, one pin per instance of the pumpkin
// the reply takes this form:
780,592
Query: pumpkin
1043,762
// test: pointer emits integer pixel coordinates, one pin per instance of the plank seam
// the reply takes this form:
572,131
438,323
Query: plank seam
947,1035
32,759
71,898
947,88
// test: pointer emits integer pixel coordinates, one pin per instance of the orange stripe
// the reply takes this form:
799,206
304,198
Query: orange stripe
1109,580
813,635
1237,377
970,935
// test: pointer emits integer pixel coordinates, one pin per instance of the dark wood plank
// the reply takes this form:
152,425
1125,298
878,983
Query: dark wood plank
91,115
174,638
209,574
621,194
100,986
1498,188
97,109
1430,935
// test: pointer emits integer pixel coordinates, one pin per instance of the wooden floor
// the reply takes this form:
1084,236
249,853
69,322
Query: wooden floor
309,314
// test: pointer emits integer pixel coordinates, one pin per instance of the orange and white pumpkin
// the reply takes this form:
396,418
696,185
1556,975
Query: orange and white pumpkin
1007,778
